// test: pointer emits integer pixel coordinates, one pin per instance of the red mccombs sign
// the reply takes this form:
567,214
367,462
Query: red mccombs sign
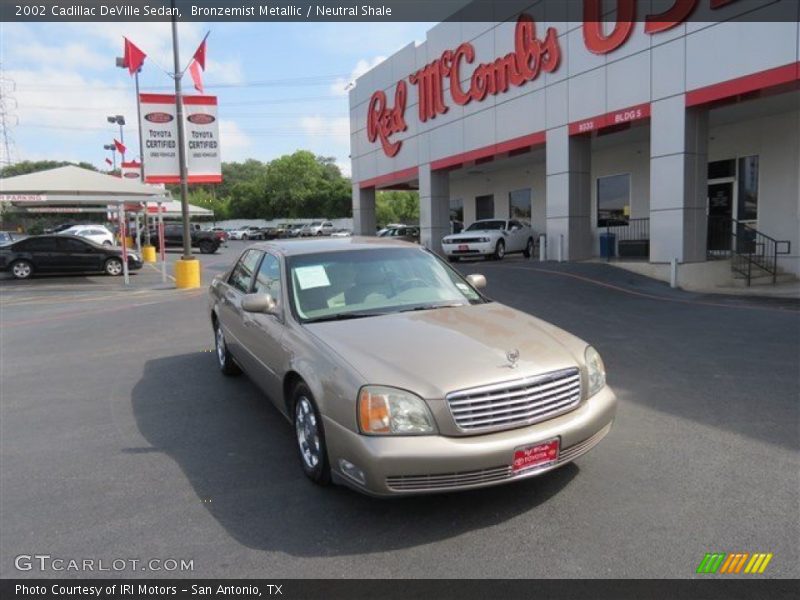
531,57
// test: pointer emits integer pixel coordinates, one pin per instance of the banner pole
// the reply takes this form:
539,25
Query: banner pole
161,245
123,233
141,153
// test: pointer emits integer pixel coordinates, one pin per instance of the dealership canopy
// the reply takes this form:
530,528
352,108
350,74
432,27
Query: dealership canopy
75,186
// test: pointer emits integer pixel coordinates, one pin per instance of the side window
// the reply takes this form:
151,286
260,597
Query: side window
39,245
69,245
242,274
268,279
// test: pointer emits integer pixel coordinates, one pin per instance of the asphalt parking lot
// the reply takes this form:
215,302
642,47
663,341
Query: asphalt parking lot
120,439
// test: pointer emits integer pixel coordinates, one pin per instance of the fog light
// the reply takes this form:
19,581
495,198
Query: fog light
352,471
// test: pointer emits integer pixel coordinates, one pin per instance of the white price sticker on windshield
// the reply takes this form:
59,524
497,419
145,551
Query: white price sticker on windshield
312,277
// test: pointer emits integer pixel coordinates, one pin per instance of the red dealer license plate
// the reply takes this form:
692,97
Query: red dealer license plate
537,455
463,247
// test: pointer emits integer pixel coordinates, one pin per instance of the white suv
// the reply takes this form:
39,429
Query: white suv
317,228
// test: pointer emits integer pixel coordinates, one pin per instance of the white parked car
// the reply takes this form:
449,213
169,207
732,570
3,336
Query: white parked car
490,237
317,228
250,232
94,233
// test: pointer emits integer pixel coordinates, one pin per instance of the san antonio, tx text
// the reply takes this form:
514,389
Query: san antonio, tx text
126,589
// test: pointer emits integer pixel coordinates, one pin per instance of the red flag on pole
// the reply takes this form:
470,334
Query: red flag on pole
120,147
108,162
200,53
197,78
133,57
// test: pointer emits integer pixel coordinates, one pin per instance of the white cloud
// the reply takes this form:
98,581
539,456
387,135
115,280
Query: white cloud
235,144
341,85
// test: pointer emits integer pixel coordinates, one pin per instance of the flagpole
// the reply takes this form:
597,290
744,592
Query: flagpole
187,270
141,153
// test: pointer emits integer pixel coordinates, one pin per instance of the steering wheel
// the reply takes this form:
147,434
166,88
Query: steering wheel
408,284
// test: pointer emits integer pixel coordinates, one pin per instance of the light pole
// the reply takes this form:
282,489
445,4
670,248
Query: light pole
118,120
113,149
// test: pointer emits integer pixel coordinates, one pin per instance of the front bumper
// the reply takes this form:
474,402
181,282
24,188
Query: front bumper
473,249
396,466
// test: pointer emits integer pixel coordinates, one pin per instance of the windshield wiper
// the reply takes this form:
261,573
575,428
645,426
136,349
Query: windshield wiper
346,316
433,307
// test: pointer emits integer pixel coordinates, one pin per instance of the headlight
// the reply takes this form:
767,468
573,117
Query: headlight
596,371
389,411
484,240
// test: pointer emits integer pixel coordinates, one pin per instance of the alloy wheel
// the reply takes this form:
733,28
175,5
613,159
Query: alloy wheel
221,349
307,431
22,270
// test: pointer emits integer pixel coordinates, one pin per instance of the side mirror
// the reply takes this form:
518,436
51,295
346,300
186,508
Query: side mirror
260,303
477,280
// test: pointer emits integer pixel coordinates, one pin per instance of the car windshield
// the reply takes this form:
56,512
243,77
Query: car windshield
364,283
486,225
316,224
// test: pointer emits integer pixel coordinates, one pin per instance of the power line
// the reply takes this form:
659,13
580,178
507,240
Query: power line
287,82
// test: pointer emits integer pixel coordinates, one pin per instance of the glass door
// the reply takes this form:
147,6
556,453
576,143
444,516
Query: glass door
720,215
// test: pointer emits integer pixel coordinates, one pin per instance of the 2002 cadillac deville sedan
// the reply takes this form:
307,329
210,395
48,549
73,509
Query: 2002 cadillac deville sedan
398,375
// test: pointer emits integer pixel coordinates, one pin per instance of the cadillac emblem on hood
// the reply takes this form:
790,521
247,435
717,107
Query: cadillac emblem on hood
512,356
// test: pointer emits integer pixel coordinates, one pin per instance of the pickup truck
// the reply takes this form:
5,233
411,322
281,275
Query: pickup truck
207,241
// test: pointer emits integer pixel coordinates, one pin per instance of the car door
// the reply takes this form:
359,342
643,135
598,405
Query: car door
75,255
42,252
231,315
517,238
262,334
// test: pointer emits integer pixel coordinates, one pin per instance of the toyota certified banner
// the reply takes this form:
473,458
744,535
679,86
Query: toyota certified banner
131,170
159,129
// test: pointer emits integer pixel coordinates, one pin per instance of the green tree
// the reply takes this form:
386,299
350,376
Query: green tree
396,206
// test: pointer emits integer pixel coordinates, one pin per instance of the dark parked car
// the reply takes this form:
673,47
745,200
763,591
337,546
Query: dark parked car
207,241
62,254
404,232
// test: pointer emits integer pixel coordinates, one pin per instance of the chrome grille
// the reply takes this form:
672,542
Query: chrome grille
445,481
516,403
475,240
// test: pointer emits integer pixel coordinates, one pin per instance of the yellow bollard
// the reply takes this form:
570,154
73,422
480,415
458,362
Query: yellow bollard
187,273
149,254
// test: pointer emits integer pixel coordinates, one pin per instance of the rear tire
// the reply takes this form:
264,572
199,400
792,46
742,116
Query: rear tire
528,252
310,436
22,269
224,359
500,250
207,247
113,267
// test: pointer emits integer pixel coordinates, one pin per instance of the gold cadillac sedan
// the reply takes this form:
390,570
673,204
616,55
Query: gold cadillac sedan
398,375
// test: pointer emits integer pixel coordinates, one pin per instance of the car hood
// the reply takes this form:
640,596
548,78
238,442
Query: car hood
437,351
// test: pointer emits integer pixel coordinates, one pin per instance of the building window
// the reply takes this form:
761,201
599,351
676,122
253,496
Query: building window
747,201
519,203
613,200
457,209
722,169
484,207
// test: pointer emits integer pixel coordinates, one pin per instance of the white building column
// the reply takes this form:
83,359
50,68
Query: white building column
569,195
363,210
678,181
434,207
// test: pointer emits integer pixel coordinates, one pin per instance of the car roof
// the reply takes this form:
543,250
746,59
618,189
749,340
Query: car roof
315,246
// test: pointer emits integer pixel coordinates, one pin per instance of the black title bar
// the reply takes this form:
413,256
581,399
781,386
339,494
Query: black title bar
376,10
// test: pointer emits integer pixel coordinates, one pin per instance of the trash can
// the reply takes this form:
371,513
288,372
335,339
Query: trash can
608,242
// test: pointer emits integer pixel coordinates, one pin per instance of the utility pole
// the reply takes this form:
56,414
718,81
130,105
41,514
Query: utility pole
187,240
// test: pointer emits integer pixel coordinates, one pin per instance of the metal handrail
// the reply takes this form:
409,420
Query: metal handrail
634,230
746,246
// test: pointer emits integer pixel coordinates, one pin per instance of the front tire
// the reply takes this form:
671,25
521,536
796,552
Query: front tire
500,250
452,259
528,252
224,359
113,267
22,269
244,237
310,436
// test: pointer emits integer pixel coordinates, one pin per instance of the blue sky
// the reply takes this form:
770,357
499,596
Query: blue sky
281,84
